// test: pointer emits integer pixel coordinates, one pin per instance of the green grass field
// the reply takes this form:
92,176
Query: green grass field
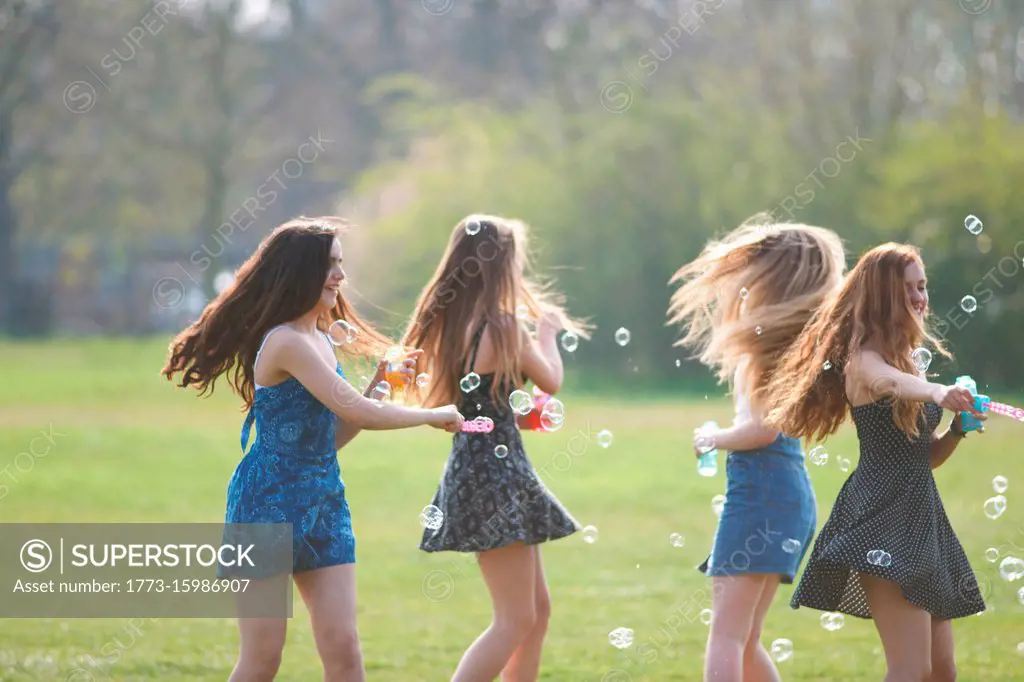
130,448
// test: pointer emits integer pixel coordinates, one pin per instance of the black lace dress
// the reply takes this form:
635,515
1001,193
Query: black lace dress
490,496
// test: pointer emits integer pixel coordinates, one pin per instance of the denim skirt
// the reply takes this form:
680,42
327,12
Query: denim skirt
770,513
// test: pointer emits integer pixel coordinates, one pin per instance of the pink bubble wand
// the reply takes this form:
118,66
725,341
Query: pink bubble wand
478,425
1007,411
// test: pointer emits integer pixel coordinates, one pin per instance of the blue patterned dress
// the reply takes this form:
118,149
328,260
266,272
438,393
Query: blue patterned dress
291,475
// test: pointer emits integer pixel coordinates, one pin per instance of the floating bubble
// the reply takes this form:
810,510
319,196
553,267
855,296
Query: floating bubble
1020,648
521,402
472,227
995,506
431,517
744,292
422,379
570,342
844,464
969,304
1000,484
922,359
553,415
341,332
470,382
790,546
676,540
223,280
381,392
604,438
827,366
705,616
590,535
973,225
523,311
718,504
1011,568
757,330
501,451
394,354
782,650
992,555
818,455
879,557
832,621
621,638
1020,596
622,336
679,363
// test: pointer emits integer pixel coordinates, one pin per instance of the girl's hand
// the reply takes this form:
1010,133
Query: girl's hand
703,441
408,371
549,324
447,418
955,398
958,427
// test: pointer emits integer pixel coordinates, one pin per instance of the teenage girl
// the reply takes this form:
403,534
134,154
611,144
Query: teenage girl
493,502
270,328
744,301
888,551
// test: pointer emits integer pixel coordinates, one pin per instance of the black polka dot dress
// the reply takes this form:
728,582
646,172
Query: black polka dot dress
888,521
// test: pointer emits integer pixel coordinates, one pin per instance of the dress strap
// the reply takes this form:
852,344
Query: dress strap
476,347
247,429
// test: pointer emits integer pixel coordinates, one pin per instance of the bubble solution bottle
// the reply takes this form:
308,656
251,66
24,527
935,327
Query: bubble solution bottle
707,463
981,402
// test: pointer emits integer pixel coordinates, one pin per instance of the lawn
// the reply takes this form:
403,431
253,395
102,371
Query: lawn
129,448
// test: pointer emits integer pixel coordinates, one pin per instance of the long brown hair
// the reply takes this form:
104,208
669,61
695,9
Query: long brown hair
282,281
872,308
480,279
746,298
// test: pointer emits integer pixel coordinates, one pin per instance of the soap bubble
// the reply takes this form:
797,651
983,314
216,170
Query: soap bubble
879,557
790,546
470,382
621,638
832,621
431,517
341,332
973,225
782,650
922,359
995,506
521,402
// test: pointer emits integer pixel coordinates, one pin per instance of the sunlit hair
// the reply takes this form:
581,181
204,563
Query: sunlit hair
482,277
282,281
745,299
871,309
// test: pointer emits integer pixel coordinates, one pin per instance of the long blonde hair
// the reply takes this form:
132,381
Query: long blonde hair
481,279
746,298
872,307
